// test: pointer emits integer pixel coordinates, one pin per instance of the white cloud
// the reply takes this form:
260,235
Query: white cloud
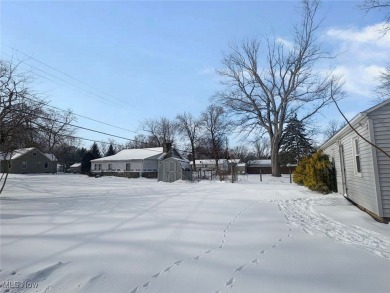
369,35
359,79
207,71
361,55
285,42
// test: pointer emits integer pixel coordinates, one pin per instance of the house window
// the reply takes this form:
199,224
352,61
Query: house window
127,166
109,167
34,153
95,167
24,165
46,165
356,156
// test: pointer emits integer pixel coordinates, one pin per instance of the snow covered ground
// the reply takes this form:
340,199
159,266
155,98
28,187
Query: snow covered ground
72,233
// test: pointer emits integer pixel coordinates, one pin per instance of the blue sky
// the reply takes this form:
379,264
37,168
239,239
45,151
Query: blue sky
152,59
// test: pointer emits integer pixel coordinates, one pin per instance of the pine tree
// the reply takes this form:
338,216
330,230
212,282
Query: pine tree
111,151
92,154
95,151
295,143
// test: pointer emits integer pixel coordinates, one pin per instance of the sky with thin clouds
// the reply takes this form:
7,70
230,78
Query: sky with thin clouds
125,61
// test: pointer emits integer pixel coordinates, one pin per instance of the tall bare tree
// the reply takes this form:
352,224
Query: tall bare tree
266,94
161,130
216,126
188,126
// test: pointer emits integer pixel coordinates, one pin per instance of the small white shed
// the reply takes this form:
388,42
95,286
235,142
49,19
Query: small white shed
173,169
173,166
362,171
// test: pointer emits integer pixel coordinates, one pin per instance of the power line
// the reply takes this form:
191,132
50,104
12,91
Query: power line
79,115
88,129
82,116
64,73
99,98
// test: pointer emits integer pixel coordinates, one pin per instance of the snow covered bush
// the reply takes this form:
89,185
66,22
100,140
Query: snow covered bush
316,172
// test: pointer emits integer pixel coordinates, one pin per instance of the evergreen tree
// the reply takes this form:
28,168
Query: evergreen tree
295,143
92,154
95,151
111,151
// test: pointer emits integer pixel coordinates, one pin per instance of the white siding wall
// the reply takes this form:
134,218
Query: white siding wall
381,125
150,165
361,189
135,165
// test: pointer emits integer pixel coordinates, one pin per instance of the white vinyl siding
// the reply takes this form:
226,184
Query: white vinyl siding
150,166
360,189
381,125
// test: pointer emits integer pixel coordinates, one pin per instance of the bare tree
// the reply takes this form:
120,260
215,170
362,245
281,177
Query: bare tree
333,127
262,148
379,5
188,126
55,127
216,126
18,105
240,152
266,94
161,130
383,89
142,141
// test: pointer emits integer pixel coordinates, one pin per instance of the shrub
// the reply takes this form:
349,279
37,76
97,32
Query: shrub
316,173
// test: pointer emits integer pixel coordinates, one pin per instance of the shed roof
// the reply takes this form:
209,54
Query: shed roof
259,163
75,165
133,154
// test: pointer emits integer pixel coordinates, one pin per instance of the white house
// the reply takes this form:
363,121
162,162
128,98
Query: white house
362,171
137,161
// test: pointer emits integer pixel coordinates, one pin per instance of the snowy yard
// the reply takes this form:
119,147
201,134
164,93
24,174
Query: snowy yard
71,233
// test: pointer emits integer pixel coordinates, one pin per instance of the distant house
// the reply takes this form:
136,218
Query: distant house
254,166
131,163
362,171
173,167
209,164
241,168
28,161
75,168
